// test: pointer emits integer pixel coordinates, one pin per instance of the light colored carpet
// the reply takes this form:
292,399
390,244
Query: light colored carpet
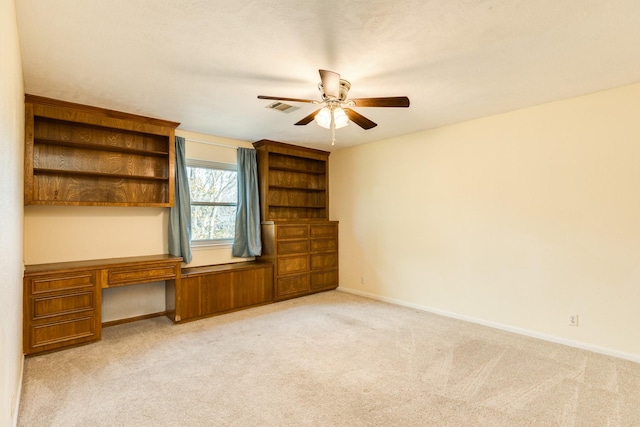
331,359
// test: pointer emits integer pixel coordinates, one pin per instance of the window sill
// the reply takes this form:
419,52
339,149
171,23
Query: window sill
203,245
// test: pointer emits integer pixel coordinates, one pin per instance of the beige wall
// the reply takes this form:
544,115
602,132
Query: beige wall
514,220
72,233
11,196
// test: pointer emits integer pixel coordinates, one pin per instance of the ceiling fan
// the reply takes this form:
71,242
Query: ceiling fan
336,110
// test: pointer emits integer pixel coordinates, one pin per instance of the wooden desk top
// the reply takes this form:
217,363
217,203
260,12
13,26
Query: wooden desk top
99,263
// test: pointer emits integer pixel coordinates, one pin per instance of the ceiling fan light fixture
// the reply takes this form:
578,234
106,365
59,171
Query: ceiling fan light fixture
323,118
340,118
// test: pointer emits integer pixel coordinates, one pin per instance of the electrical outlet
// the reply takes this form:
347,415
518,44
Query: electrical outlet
573,320
362,280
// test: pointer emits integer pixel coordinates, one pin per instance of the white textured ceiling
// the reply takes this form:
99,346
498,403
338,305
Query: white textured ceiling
203,62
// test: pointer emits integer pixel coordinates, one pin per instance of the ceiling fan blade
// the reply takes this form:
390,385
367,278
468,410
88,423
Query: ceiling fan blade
280,98
308,119
330,83
393,101
359,119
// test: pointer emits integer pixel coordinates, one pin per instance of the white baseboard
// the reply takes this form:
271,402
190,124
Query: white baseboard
496,325
16,406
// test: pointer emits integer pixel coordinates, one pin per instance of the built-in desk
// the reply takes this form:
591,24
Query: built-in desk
62,301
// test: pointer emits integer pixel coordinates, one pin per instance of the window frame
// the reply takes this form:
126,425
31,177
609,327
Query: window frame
210,164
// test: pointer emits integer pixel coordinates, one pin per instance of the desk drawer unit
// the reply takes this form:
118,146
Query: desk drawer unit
142,274
62,301
61,309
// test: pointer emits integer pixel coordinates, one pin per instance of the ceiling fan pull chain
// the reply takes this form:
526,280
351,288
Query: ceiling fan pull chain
333,129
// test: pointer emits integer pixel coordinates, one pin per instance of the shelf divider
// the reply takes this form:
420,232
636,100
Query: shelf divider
100,147
61,172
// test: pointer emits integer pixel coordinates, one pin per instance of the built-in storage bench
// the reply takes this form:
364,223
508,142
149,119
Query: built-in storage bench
216,289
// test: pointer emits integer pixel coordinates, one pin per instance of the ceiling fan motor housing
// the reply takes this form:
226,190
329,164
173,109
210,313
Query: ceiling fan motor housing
344,90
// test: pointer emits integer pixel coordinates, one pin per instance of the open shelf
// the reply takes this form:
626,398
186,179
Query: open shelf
99,147
62,172
287,187
87,156
295,170
297,206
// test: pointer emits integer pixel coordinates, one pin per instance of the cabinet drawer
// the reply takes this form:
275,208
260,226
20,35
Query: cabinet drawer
324,261
47,306
324,279
292,246
293,264
292,285
292,232
81,279
78,330
132,275
320,245
324,230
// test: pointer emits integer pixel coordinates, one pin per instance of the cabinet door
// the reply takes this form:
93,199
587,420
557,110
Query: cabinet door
290,286
324,245
205,294
324,280
293,264
323,261
251,287
292,232
324,230
286,247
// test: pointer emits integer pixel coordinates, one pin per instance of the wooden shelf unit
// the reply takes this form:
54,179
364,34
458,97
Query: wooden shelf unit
294,181
297,236
81,155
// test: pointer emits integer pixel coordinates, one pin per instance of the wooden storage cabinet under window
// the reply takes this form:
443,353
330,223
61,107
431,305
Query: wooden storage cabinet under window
80,155
210,290
61,309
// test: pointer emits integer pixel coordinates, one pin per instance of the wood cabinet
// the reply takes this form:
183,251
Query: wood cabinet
62,301
80,155
209,290
305,256
297,236
61,308
294,181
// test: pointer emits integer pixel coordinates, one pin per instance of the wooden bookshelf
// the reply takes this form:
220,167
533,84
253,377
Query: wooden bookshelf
81,155
297,236
293,181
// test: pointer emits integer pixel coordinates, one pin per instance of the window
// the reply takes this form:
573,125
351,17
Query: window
214,198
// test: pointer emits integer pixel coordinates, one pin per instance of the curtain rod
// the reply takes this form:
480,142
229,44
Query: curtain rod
211,143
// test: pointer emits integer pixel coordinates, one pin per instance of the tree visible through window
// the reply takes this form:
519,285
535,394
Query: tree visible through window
214,198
